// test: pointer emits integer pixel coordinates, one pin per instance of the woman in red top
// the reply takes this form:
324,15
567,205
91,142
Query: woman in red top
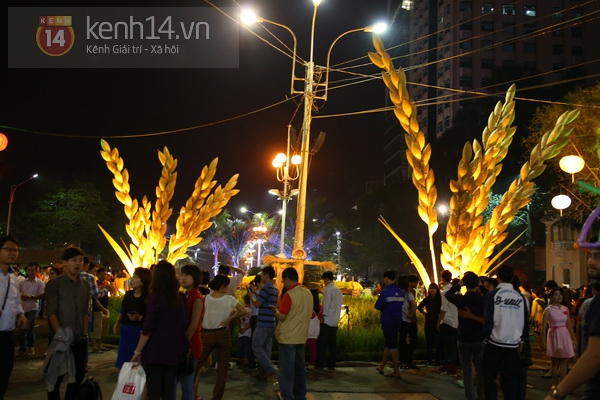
190,280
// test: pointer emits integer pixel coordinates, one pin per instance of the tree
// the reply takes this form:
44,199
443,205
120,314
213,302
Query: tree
65,213
584,141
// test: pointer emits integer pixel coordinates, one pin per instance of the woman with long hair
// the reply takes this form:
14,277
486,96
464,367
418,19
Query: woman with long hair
430,307
220,309
558,336
131,315
162,345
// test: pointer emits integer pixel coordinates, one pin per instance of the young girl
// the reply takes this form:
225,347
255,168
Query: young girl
314,329
558,336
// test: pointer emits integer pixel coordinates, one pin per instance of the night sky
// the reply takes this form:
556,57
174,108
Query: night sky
43,109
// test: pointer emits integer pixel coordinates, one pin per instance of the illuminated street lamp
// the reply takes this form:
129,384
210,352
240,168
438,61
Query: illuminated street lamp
309,97
287,172
11,200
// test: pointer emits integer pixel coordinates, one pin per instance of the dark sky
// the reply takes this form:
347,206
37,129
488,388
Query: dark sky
92,103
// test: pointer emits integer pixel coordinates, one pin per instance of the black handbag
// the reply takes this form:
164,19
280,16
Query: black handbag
186,367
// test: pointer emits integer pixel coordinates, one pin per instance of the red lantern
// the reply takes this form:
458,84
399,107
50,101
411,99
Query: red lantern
3,141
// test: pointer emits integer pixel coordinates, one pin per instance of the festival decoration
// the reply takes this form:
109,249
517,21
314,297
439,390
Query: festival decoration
147,226
470,240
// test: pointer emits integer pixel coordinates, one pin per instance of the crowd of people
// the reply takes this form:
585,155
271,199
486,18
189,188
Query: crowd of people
170,316
482,326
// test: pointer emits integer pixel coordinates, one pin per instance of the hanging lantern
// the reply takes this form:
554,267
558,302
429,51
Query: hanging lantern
561,202
3,141
571,165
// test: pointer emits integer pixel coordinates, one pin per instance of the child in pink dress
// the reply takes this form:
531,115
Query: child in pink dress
558,336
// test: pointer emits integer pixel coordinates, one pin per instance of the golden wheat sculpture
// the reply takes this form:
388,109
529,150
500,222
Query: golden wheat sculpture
147,227
469,241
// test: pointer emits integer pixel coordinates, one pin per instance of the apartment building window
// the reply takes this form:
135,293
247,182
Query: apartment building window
487,8
528,28
576,13
557,66
466,45
466,26
440,127
557,49
507,27
487,26
508,63
440,109
487,43
557,13
529,11
577,32
487,63
465,62
465,6
529,48
447,122
577,51
447,11
446,105
508,10
465,82
508,47
530,65
558,32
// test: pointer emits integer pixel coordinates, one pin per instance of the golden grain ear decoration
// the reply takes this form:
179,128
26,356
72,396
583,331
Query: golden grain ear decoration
147,227
469,241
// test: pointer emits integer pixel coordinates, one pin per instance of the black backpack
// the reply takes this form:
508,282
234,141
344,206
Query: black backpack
89,390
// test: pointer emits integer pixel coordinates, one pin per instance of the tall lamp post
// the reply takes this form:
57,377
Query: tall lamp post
11,200
309,97
287,172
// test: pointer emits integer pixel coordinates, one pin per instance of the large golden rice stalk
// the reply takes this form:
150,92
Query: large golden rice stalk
518,195
418,150
469,242
147,226
476,173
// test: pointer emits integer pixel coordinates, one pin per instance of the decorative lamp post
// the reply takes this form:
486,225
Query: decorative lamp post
287,171
309,97
339,236
259,231
571,165
561,202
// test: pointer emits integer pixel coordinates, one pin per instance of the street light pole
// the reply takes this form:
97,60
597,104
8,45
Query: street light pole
287,171
11,200
339,245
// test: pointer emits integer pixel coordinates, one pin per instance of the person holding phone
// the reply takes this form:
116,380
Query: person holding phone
133,309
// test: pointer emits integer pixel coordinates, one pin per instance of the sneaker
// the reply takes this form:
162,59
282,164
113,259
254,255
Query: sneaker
30,351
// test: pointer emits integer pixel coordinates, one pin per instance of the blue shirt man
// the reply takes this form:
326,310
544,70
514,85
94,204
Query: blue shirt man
262,339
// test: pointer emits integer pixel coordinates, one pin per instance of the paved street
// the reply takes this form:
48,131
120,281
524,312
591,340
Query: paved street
351,380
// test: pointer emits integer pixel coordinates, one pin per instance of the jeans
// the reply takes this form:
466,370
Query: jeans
80,351
408,341
292,375
160,381
471,356
327,341
27,337
187,385
505,362
262,344
7,354
448,335
432,337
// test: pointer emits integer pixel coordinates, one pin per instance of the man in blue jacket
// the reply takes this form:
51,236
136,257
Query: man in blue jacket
505,326
390,302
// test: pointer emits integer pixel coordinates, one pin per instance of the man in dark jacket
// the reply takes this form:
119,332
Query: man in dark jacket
390,302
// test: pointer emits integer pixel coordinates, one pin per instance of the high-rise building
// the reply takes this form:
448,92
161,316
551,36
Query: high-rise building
455,45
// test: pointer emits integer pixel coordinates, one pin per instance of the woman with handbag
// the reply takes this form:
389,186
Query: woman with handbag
162,345
220,309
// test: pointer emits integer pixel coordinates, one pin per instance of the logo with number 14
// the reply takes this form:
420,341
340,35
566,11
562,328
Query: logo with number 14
55,35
